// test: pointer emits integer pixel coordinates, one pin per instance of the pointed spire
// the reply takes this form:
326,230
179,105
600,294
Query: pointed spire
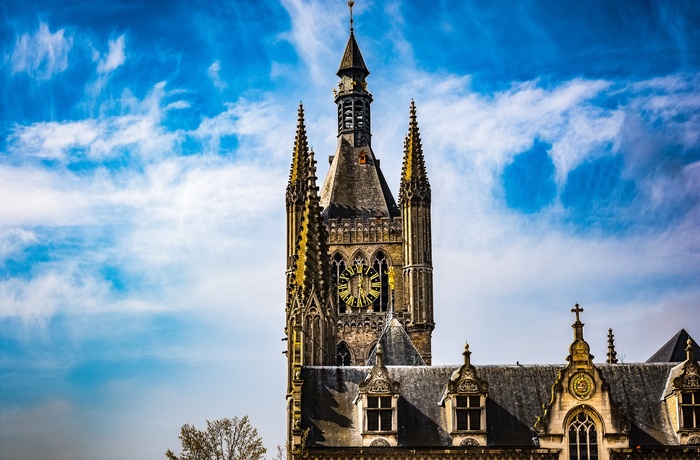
612,354
414,177
352,57
300,152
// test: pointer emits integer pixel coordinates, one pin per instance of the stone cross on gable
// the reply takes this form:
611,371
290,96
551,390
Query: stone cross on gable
577,310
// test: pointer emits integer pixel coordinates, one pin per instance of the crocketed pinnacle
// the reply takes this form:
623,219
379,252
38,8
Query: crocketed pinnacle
311,265
300,154
414,178
612,354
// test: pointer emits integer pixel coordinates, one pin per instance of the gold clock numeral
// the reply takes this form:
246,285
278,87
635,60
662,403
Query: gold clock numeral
375,276
377,284
344,295
374,293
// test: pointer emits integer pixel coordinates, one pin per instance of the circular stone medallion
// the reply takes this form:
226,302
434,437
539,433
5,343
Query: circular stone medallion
581,386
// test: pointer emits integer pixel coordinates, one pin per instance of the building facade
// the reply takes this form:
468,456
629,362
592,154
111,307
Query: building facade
359,324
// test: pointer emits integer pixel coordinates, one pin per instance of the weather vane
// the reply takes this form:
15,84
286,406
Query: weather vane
350,4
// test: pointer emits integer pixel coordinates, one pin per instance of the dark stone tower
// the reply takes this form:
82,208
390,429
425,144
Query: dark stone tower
367,239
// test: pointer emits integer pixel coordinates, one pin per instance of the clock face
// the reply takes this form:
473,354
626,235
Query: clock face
359,285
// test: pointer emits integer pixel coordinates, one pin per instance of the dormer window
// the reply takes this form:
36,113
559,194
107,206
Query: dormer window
683,398
468,411
464,400
377,403
690,410
379,413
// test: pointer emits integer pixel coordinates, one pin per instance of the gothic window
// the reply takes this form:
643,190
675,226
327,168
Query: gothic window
313,344
690,410
347,115
468,413
379,413
337,267
583,438
381,266
343,355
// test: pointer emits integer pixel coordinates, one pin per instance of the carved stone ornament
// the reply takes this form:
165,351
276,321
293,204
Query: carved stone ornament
378,380
379,386
689,378
582,386
469,442
694,440
380,442
468,386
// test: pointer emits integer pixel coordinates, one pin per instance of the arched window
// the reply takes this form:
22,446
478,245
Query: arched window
583,438
343,355
337,267
381,266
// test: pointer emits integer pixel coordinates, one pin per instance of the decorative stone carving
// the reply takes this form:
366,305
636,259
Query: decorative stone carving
465,380
379,386
694,440
469,442
378,381
380,442
689,377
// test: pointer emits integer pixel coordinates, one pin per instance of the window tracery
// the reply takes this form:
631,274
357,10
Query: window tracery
583,438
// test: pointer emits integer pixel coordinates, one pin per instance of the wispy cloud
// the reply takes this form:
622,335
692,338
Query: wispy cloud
213,72
114,57
42,54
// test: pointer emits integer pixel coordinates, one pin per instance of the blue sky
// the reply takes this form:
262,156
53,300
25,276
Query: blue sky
144,152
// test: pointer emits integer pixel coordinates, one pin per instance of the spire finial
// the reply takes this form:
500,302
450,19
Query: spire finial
467,354
689,352
612,354
351,3
578,325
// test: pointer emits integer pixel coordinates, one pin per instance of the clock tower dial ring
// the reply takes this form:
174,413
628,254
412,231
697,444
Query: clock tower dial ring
359,286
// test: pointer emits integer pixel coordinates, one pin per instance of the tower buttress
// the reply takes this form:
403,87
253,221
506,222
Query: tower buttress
414,199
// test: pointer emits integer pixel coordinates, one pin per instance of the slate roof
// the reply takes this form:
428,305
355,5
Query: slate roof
352,58
353,190
673,351
516,395
397,347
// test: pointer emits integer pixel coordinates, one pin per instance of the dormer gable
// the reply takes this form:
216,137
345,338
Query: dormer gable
377,403
464,400
682,397
581,415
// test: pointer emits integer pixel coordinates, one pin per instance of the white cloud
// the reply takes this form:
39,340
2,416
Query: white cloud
213,72
43,54
115,56
138,131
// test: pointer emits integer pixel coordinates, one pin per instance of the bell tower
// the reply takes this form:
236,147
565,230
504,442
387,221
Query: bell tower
368,235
